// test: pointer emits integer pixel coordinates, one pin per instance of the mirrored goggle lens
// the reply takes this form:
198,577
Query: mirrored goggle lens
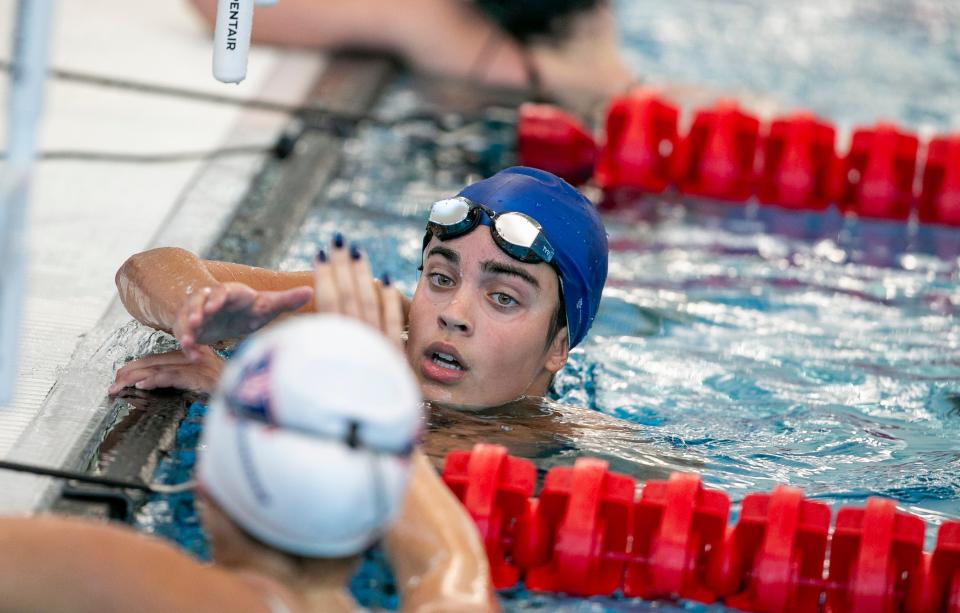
518,229
450,211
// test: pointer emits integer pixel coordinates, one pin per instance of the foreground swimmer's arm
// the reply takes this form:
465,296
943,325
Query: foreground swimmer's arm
435,550
60,564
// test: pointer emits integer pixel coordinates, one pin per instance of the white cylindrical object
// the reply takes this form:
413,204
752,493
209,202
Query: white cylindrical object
266,2
231,39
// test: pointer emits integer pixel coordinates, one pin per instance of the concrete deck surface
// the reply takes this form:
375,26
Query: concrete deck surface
86,217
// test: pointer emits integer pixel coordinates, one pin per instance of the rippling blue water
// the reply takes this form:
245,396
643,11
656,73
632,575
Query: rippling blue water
854,61
772,346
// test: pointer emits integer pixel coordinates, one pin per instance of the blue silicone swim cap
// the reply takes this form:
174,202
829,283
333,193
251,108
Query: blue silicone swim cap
571,224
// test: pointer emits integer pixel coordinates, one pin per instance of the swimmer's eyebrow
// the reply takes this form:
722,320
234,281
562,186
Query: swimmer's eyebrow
448,254
489,266
499,268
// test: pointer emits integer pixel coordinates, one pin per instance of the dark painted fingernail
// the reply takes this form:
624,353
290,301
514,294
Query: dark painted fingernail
386,279
321,256
354,252
338,240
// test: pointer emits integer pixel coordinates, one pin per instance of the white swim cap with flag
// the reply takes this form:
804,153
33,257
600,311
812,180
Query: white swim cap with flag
307,441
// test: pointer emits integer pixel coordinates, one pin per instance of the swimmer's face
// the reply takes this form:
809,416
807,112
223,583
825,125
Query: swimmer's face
479,322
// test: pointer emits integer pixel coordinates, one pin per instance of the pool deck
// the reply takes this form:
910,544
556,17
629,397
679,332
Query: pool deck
87,217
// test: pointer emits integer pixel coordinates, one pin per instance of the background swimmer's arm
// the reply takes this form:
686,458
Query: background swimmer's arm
449,37
322,23
59,564
435,551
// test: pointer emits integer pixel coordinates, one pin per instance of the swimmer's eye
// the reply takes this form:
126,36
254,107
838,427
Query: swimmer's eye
504,300
440,280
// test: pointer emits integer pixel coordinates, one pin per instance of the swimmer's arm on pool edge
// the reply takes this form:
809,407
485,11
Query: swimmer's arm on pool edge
51,563
156,285
435,550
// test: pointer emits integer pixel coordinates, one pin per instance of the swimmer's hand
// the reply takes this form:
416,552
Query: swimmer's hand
344,284
171,370
231,310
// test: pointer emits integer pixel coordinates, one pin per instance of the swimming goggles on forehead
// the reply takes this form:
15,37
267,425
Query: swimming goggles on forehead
518,235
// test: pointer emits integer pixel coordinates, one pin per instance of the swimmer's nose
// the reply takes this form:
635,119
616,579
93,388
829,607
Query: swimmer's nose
455,319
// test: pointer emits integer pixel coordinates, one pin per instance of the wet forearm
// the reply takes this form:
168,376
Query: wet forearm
54,564
153,284
324,24
435,550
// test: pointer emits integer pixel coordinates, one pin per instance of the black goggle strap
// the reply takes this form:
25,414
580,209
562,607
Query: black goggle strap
352,438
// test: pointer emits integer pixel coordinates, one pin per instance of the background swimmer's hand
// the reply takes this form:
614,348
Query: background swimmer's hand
231,310
344,284
171,369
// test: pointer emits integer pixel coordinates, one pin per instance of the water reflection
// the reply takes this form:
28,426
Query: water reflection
553,434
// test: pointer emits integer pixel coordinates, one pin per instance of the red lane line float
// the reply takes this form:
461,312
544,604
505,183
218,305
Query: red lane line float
716,158
772,560
586,535
873,552
532,543
551,139
876,176
586,509
675,524
795,165
495,488
798,163
940,195
939,587
641,138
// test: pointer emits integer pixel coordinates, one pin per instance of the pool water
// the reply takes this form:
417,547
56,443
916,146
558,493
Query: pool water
756,345
852,61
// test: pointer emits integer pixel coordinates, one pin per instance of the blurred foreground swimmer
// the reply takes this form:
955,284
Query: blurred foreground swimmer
307,459
565,49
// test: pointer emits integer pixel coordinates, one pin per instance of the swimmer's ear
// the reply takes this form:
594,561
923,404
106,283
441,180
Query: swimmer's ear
558,351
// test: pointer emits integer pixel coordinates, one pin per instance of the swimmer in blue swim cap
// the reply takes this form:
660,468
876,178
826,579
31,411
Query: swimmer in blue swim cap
513,270
306,460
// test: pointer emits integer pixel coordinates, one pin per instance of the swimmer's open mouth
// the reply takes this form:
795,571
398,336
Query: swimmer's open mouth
445,360
445,356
